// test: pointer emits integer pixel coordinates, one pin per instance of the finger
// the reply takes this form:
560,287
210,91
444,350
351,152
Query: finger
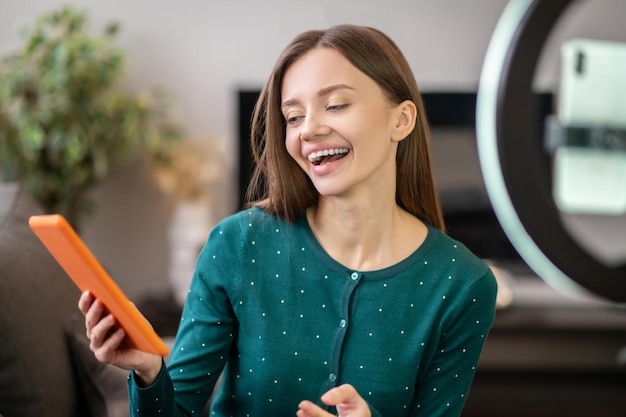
93,316
345,393
107,350
85,301
101,331
309,409
347,401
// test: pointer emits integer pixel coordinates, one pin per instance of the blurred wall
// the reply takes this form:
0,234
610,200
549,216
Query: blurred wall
204,51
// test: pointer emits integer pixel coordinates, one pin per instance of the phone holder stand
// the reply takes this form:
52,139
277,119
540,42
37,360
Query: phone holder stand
591,136
589,167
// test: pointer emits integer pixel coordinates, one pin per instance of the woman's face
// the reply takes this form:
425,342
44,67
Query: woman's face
340,127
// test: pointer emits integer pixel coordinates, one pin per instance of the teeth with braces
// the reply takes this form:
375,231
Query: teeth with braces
317,156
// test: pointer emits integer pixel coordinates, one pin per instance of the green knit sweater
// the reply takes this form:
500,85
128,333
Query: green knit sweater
285,322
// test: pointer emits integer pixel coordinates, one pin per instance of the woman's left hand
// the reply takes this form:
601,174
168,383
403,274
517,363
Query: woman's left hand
344,397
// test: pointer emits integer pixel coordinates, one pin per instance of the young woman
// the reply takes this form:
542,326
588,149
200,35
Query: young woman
337,292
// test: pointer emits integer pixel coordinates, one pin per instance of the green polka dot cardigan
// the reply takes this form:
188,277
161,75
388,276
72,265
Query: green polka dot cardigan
285,322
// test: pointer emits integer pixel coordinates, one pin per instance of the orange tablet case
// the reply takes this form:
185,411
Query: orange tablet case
84,269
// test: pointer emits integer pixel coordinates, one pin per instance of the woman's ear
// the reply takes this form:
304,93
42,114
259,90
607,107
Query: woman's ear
405,116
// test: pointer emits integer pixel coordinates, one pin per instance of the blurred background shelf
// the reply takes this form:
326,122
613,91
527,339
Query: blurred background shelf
551,355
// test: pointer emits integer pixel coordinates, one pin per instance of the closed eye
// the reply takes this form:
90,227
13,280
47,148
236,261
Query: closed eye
292,120
336,107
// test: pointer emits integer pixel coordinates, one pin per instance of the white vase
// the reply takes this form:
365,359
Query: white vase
188,231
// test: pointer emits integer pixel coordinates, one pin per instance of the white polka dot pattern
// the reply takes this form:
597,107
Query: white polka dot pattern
285,322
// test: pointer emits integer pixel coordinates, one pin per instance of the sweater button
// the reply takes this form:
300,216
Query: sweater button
354,276
332,377
342,323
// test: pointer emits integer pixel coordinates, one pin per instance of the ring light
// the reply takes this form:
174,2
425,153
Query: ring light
513,160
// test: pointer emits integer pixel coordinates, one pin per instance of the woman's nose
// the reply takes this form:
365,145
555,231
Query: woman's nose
313,127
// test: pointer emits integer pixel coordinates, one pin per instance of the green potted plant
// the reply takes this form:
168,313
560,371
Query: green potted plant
65,123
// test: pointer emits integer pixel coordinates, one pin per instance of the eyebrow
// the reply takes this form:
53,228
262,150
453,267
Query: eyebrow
321,93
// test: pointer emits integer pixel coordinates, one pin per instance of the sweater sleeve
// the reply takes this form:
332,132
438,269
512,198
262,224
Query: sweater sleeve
445,384
149,400
205,335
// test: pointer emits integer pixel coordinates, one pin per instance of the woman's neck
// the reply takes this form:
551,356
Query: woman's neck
365,237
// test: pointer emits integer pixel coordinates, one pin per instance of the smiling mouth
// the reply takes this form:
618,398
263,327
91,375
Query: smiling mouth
327,155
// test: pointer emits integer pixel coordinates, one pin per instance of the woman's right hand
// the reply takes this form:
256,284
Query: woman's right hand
106,341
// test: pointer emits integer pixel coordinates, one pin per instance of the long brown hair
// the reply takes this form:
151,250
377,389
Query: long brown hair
281,187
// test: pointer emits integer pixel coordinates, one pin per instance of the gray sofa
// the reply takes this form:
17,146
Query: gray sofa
46,368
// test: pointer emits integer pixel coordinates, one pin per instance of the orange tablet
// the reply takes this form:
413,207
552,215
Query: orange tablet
84,269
